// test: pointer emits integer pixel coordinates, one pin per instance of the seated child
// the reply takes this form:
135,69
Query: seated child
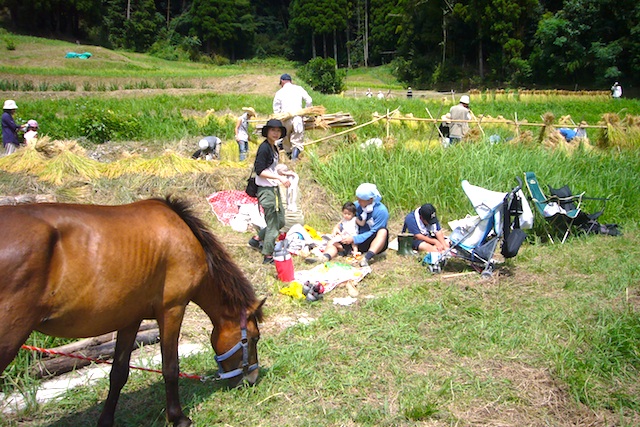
425,227
348,226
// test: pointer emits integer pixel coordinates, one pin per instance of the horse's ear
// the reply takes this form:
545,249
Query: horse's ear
256,309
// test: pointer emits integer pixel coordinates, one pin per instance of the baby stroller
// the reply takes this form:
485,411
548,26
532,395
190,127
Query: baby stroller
499,216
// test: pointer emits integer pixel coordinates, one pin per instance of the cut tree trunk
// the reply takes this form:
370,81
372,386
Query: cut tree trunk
99,348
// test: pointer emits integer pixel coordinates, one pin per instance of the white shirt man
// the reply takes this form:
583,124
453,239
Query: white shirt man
616,90
459,129
289,99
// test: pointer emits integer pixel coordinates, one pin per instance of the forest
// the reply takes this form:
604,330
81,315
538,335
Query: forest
572,44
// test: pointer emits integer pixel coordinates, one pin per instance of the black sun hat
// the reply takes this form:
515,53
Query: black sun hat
274,123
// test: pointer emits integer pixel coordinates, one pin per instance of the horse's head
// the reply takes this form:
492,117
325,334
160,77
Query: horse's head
236,345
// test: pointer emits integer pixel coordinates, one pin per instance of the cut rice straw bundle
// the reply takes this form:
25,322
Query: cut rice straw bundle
523,138
128,163
632,124
548,128
68,166
24,160
613,135
309,111
52,148
171,164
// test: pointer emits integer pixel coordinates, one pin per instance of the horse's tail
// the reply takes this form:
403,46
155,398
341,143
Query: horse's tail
237,291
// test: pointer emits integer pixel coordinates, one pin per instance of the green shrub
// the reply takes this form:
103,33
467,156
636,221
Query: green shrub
10,43
321,75
104,125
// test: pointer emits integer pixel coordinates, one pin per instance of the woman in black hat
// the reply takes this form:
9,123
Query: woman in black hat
268,179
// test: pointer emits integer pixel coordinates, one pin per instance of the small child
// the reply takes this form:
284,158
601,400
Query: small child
31,131
348,226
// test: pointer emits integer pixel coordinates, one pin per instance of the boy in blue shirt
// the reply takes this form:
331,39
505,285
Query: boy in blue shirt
425,227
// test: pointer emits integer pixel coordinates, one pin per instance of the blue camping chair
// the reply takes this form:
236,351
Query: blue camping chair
562,211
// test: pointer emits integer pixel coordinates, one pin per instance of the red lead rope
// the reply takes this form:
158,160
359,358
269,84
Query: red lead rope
75,356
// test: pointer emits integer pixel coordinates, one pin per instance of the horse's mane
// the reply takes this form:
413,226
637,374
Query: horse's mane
237,292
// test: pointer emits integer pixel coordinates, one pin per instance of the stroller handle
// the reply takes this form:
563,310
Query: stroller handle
519,187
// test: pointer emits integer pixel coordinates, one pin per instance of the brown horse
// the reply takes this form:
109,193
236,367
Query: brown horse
83,270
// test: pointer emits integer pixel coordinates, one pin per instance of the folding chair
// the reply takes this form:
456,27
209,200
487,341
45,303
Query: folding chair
562,210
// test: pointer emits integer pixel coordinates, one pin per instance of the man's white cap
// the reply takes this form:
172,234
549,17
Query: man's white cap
10,104
464,99
203,144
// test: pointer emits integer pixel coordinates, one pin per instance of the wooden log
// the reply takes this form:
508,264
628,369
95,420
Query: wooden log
60,364
78,346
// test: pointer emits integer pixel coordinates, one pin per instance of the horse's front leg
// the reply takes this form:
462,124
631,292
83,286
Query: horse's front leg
119,372
169,334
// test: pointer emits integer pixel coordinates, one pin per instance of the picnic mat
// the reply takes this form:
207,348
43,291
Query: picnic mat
225,204
331,274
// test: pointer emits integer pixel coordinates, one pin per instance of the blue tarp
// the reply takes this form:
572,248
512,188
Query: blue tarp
85,55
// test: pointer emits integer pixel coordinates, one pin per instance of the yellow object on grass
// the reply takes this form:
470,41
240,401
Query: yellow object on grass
312,232
293,290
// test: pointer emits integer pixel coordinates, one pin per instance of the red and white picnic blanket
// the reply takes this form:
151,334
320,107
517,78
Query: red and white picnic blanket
226,204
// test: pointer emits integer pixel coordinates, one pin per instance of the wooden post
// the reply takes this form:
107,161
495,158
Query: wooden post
435,123
388,125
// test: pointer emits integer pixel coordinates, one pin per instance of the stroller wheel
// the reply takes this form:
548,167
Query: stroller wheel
435,268
486,274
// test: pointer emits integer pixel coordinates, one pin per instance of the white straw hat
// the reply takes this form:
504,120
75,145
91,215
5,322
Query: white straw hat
10,104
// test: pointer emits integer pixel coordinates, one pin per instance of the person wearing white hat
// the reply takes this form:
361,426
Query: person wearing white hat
242,131
209,148
9,127
459,113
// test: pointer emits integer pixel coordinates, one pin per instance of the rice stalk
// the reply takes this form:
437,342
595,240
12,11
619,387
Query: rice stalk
524,138
75,191
171,164
632,126
547,119
309,111
613,135
474,135
128,163
52,148
24,160
68,166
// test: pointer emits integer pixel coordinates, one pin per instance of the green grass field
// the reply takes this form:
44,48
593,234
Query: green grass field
552,339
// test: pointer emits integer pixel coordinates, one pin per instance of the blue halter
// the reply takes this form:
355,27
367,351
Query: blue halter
244,345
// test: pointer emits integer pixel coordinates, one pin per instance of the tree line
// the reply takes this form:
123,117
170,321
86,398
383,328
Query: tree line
570,43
